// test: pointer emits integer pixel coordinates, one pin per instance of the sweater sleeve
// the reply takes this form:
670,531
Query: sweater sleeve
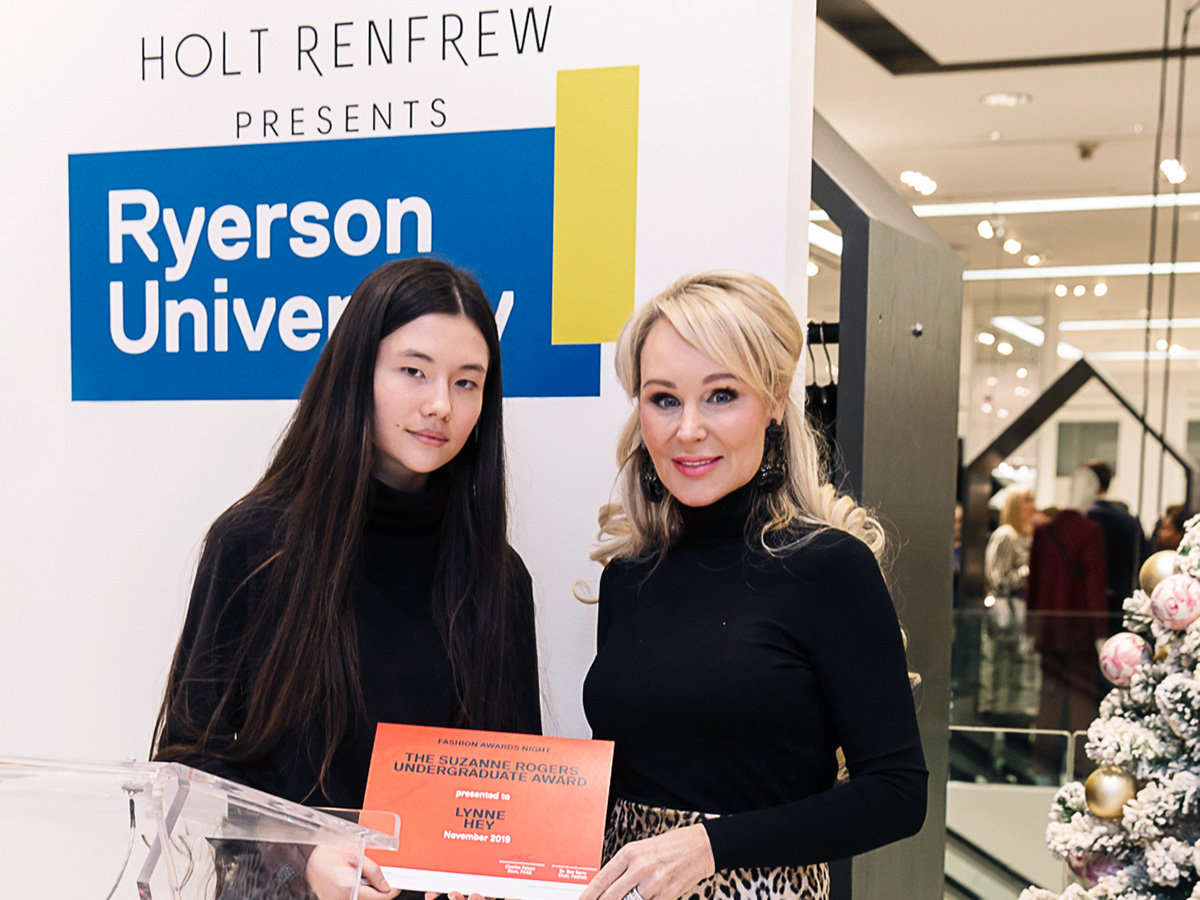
853,638
206,659
526,667
604,610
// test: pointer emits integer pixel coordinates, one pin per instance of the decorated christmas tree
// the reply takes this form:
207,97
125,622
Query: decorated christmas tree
1132,830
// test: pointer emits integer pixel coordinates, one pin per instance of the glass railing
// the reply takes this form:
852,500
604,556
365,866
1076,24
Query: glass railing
1025,687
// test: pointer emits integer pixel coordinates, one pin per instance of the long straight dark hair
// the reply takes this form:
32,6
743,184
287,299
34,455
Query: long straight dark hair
320,484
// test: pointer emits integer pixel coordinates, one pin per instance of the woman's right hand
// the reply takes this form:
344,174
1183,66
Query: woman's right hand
331,873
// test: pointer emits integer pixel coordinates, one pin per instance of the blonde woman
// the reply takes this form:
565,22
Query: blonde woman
1006,564
1009,667
745,630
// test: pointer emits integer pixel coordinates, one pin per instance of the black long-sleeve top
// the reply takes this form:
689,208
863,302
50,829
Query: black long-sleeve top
728,678
404,669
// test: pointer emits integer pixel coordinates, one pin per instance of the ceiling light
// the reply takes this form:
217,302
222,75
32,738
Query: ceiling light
991,382
995,136
1012,245
1100,289
1030,334
1111,270
1002,413
1005,99
919,182
985,229
1034,259
1022,372
1173,171
1004,348
1057,204
1175,350
987,407
1139,356
1068,351
1021,391
1125,324
986,338
1079,290
1161,344
1060,290
825,239
1043,205
813,268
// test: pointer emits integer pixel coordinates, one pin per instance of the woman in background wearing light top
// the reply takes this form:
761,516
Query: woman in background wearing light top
745,631
1009,666
367,577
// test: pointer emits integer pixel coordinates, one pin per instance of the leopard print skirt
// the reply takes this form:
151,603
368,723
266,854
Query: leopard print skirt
633,821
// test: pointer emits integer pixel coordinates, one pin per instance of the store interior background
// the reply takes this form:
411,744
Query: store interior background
1014,102
1080,129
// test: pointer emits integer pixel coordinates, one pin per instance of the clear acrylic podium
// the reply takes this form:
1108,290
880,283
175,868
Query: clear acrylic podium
163,831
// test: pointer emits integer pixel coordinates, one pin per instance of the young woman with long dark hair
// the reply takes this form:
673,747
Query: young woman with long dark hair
367,577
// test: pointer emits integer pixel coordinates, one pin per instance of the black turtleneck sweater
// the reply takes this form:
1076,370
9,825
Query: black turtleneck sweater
404,669
729,677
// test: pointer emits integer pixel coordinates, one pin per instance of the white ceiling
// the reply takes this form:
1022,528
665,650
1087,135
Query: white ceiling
936,124
971,31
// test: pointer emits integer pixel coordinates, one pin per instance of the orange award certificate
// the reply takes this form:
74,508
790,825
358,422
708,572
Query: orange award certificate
504,815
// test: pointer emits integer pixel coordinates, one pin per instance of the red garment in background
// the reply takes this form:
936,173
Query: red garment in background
1068,614
1068,583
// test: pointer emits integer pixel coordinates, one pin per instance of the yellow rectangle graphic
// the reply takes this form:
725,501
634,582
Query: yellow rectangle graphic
595,203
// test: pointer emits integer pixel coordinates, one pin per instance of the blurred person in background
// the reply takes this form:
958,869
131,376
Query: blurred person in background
1123,542
1168,531
1010,673
1067,604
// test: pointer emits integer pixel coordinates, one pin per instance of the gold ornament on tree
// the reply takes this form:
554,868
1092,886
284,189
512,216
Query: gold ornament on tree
1157,567
1107,790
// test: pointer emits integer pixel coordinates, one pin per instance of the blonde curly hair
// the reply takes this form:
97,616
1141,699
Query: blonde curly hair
741,321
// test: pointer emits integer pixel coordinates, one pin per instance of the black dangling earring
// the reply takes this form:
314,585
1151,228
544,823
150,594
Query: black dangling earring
773,471
652,486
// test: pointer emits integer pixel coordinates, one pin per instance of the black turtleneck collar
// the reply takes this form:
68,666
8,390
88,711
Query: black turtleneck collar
412,512
724,518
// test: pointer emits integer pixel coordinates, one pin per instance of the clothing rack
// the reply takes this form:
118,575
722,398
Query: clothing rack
822,333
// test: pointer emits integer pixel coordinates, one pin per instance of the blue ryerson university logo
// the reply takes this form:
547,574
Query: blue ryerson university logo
218,273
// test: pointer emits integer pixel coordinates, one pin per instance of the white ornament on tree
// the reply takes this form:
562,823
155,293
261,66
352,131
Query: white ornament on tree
1122,655
1176,601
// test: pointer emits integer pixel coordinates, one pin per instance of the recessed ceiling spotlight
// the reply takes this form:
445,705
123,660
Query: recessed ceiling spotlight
1100,289
992,380
1079,290
995,136
1161,345
985,229
1012,245
1034,259
1060,290
1173,171
919,182
1175,349
1002,413
1138,128
1021,391
986,338
1006,99
1004,348
986,408
813,268
1022,372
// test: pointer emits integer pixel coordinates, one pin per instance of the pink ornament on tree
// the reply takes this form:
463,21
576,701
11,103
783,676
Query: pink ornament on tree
1090,869
1122,655
1176,601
